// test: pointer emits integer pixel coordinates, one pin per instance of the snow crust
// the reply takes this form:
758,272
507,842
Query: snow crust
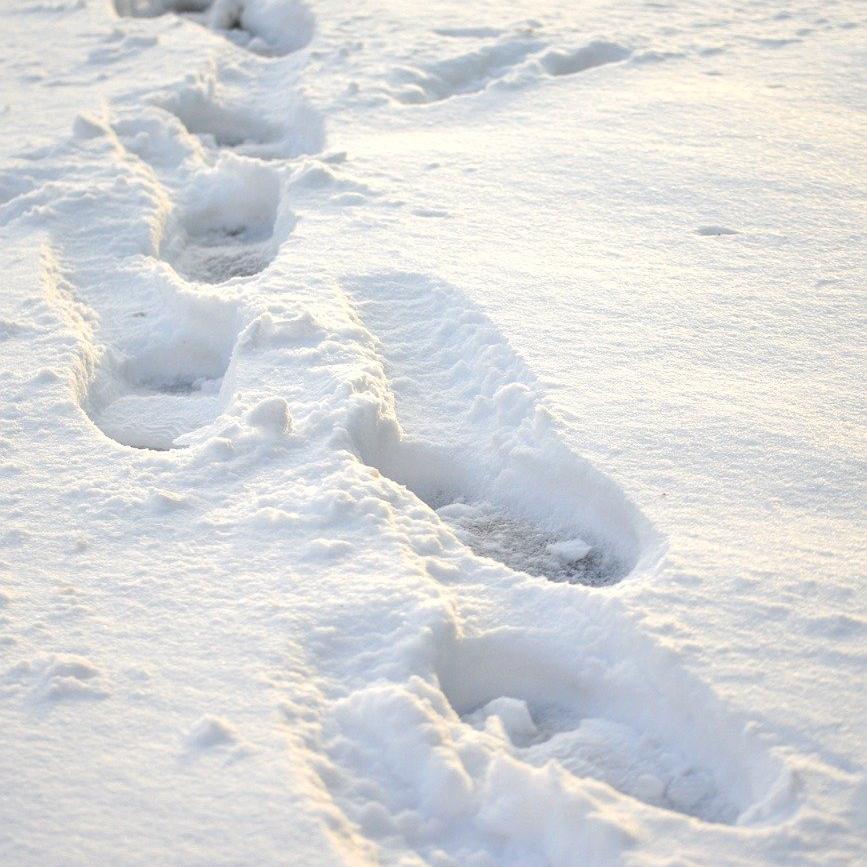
432,436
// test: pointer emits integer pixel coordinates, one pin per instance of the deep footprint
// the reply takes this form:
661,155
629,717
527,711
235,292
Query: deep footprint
154,415
219,255
624,725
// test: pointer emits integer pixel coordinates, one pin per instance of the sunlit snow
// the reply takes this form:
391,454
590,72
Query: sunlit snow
432,433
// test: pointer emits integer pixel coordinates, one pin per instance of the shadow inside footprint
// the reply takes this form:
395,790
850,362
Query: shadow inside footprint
294,127
533,519
225,227
616,724
219,255
527,547
202,115
475,444
154,415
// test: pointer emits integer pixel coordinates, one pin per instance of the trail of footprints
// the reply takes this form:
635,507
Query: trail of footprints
461,443
162,377
512,57
224,226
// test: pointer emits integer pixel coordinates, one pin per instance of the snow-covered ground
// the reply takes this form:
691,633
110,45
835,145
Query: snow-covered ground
432,433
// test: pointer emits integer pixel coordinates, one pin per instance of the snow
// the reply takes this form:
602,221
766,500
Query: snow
432,436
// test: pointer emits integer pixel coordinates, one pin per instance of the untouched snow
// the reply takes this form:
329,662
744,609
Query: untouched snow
432,435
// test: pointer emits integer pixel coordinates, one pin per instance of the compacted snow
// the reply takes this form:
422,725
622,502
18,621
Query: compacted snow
432,433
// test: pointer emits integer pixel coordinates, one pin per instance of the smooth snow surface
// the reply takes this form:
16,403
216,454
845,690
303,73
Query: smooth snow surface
432,434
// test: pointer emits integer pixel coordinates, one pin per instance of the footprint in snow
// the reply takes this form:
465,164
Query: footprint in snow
161,375
221,123
510,60
225,227
473,442
274,29
466,73
153,414
619,725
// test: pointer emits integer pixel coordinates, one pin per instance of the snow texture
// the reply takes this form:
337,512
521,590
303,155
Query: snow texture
432,435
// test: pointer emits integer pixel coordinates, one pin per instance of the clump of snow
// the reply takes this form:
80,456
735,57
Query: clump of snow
518,805
275,26
360,384
570,550
271,415
210,732
512,714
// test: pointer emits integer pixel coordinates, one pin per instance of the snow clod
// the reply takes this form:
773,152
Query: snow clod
271,416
